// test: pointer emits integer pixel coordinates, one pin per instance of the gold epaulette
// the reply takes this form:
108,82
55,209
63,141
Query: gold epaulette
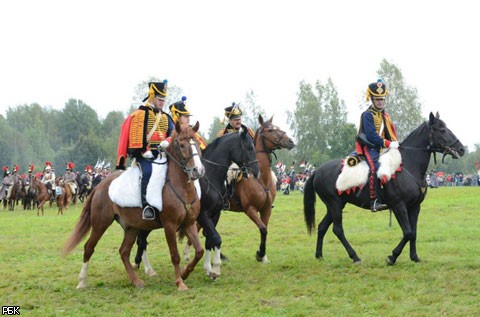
135,140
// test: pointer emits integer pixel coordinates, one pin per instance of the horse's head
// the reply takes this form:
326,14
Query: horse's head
443,140
244,155
272,137
185,149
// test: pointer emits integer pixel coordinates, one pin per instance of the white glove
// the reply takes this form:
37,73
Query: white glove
164,144
147,154
393,145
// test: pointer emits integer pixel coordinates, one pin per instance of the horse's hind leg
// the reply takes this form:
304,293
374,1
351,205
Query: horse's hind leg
170,235
125,249
338,230
192,234
251,212
88,249
321,231
142,253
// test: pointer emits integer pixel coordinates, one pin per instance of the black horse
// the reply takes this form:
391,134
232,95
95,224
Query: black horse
403,194
217,158
85,187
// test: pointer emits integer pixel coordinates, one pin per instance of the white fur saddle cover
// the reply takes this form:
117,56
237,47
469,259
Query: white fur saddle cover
353,178
125,189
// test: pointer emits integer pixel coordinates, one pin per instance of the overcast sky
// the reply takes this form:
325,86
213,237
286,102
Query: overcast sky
217,51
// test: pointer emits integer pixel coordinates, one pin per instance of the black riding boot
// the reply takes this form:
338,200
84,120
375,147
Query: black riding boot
377,204
148,212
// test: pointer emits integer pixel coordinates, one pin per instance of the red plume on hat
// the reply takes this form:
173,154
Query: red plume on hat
15,168
5,168
30,168
70,166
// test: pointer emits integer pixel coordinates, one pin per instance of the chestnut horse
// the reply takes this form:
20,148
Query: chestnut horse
181,207
255,196
43,195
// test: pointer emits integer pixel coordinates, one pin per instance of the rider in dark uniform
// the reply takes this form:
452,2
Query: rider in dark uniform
376,133
234,115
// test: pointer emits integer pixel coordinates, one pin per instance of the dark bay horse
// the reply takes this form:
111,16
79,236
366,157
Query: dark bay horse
181,207
217,158
255,195
403,194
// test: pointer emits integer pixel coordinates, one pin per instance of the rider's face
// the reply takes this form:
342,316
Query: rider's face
158,103
378,102
236,123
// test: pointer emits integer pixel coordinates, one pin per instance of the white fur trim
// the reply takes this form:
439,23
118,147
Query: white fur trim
389,162
125,189
351,177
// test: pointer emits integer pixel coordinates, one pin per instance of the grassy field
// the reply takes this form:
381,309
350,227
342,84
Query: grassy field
446,283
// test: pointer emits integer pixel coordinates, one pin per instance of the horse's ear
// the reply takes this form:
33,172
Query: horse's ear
432,118
260,119
243,130
178,127
437,115
196,126
271,119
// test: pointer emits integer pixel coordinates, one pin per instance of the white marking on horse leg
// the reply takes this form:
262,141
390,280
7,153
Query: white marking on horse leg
206,264
148,268
265,259
186,253
217,262
82,277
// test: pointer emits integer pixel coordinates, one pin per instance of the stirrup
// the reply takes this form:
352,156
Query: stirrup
148,213
376,205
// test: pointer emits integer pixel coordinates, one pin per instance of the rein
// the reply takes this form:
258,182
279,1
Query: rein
183,163
185,205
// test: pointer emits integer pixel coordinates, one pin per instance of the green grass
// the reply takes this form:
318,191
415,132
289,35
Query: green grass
445,283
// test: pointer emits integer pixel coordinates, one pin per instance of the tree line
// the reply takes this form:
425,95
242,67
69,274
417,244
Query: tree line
318,123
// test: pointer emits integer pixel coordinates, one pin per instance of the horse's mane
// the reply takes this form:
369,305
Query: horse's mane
216,141
414,134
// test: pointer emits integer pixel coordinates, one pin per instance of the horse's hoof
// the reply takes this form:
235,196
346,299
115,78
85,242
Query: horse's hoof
320,258
81,285
390,260
182,287
416,259
213,276
138,284
357,262
150,272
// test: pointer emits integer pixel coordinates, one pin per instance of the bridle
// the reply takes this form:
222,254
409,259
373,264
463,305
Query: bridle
182,163
276,143
245,167
435,148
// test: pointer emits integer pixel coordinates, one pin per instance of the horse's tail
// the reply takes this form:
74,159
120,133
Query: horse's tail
81,229
309,204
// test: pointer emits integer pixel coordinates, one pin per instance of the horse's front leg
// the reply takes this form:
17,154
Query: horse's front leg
129,238
413,216
192,234
170,235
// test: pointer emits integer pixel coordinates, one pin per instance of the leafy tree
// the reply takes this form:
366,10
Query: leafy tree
251,111
319,124
76,119
403,105
175,94
215,126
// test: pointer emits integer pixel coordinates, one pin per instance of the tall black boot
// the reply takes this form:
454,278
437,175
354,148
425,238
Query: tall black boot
377,204
148,212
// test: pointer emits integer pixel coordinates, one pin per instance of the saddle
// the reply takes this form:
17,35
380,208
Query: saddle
355,171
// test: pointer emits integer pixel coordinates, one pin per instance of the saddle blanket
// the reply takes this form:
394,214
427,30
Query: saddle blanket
353,177
125,190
